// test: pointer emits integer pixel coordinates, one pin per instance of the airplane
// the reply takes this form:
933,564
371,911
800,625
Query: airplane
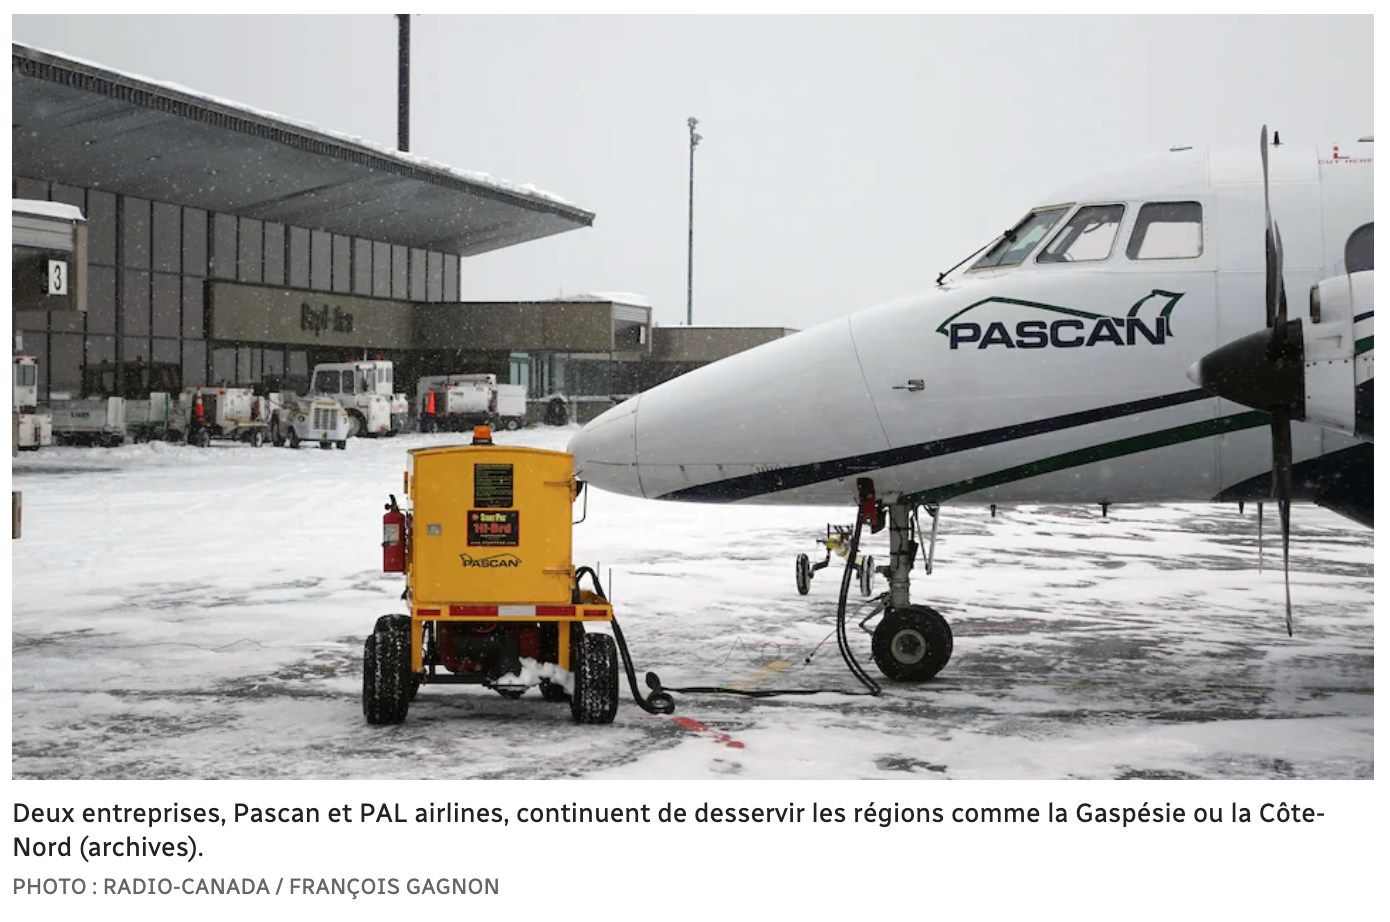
1058,367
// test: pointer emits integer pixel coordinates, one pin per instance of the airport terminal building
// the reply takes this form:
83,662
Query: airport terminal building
244,248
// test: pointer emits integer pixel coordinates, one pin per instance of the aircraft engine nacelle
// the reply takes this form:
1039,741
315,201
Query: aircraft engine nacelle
1339,355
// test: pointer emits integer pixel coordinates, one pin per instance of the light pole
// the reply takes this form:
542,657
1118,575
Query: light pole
690,246
403,82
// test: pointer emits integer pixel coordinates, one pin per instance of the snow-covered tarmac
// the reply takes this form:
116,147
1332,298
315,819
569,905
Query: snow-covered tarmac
200,614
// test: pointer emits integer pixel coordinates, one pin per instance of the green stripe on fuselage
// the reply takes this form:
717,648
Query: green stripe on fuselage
1103,452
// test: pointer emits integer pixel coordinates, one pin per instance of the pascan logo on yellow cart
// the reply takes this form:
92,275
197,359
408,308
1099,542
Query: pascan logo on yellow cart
496,560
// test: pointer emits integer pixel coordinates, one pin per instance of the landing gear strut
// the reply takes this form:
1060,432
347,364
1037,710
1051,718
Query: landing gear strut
913,642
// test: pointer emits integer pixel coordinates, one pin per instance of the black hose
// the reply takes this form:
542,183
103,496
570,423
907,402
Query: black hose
660,701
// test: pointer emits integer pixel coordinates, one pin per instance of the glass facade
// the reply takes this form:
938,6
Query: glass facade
148,263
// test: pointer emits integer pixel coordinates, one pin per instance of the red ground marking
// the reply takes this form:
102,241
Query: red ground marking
694,726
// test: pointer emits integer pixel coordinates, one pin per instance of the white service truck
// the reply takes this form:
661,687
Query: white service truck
87,420
150,390
317,418
365,390
33,428
457,402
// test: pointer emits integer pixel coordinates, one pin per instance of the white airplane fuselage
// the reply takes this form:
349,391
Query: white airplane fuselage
1048,380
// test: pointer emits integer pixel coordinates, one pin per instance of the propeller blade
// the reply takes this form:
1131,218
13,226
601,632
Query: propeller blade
1281,435
1271,261
1280,323
1284,514
1260,532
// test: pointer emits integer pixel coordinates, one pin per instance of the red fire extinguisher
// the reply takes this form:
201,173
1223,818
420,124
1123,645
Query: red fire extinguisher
393,539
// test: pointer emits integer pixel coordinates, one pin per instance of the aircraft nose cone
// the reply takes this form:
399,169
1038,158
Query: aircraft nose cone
1194,373
605,451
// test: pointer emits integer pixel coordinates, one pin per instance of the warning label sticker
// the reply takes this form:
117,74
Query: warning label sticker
492,486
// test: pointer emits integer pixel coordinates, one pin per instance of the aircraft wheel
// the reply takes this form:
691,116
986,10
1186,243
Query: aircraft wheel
866,576
803,574
912,644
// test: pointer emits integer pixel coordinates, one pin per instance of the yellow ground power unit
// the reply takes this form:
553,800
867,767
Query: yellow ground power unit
493,592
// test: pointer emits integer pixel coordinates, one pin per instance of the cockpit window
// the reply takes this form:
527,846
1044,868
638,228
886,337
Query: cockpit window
1019,242
1167,230
1088,237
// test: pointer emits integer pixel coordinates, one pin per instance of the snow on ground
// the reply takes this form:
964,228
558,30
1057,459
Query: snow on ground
200,613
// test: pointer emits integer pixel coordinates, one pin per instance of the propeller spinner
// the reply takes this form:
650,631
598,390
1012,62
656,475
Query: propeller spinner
1265,371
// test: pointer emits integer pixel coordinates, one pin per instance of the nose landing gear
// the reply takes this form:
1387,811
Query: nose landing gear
913,642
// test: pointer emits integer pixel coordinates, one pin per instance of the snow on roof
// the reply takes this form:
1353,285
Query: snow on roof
473,176
47,209
617,297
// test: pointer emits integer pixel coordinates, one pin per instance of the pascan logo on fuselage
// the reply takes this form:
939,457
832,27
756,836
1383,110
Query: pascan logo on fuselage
1053,326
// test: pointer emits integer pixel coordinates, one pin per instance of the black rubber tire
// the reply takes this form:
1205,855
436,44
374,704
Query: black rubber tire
912,644
386,676
803,574
325,446
512,424
277,438
595,698
414,686
202,438
294,439
342,445
256,438
356,424
866,576
426,425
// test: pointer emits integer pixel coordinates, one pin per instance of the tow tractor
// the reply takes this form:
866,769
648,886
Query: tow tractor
316,418
233,413
365,390
494,598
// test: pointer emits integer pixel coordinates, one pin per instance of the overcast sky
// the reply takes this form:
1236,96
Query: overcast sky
845,161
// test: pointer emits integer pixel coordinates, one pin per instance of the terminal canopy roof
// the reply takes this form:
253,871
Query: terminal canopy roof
84,125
